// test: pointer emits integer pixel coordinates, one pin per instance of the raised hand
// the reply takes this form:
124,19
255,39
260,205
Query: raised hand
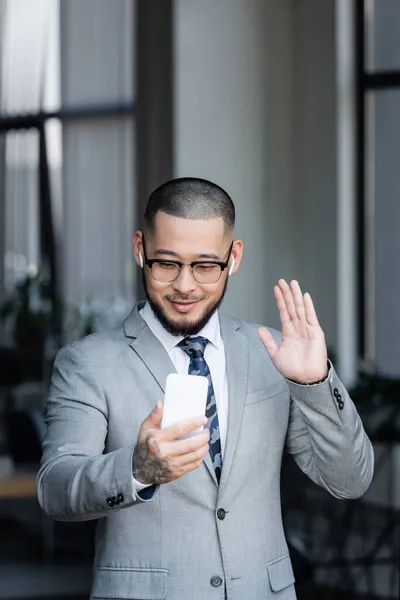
302,355
160,457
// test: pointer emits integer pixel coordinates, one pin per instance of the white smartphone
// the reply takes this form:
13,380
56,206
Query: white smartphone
185,397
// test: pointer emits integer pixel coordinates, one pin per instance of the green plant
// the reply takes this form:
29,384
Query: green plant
30,311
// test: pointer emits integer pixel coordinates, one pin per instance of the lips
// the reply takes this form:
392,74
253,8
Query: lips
183,307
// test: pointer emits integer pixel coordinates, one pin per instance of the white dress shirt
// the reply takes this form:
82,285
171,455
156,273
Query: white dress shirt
214,355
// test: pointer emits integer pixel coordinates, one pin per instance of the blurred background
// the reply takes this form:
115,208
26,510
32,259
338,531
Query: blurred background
292,106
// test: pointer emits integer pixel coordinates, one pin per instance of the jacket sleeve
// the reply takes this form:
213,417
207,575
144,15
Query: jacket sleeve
77,481
327,439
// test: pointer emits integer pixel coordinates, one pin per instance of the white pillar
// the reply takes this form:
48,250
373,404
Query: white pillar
233,126
346,200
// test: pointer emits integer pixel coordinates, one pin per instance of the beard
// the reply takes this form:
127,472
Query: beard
187,328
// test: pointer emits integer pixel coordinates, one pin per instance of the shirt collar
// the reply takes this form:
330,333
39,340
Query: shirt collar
211,330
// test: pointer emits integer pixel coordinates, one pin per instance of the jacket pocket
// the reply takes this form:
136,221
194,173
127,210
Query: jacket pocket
280,573
266,393
130,583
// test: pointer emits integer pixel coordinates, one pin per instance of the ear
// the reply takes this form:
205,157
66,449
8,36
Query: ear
236,257
138,248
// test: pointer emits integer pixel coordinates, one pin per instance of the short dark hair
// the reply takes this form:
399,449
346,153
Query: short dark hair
190,198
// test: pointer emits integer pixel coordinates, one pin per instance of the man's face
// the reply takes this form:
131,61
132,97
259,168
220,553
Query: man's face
184,306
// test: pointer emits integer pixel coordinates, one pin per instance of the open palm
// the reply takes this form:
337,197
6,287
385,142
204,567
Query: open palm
302,355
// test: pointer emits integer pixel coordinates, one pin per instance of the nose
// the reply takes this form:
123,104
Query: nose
186,283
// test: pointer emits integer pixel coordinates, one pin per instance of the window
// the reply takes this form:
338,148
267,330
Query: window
66,149
378,66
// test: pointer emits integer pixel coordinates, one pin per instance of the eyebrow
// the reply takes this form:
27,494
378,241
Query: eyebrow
165,252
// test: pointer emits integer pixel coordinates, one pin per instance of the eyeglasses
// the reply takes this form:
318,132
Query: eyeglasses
204,271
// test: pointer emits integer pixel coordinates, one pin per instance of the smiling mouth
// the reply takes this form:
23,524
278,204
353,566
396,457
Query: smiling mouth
177,300
183,306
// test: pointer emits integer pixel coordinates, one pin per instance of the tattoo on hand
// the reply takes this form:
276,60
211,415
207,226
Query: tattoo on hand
148,466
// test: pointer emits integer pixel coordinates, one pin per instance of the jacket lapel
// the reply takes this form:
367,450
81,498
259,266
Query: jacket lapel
148,348
237,366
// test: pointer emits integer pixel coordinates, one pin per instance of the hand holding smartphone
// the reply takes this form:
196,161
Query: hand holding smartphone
162,452
185,398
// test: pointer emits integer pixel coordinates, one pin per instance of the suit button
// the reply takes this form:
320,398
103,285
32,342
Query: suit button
216,581
120,498
111,501
221,514
338,397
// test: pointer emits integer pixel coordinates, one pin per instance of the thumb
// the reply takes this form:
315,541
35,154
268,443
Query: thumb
154,418
268,341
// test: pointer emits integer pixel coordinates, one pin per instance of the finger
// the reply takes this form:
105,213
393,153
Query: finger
281,304
288,299
153,420
178,430
192,457
298,300
183,470
180,467
268,340
311,315
188,445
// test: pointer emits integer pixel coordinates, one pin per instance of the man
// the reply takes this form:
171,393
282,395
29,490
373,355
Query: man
199,517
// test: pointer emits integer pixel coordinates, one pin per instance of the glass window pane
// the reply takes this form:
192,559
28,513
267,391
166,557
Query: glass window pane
383,253
30,60
21,219
97,52
383,35
98,200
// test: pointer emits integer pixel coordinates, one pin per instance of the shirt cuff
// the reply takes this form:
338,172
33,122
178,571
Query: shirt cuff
148,493
139,486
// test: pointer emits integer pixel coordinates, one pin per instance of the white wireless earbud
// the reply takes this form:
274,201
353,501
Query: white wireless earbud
141,259
232,267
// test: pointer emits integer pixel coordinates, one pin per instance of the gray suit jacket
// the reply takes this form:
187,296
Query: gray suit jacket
176,545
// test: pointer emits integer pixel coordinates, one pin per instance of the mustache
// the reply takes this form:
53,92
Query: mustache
179,298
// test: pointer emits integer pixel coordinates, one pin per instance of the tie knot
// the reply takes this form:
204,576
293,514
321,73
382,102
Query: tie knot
194,346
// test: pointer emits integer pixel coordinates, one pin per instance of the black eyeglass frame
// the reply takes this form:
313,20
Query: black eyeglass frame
222,264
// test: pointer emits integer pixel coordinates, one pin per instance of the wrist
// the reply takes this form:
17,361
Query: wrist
317,379
138,468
